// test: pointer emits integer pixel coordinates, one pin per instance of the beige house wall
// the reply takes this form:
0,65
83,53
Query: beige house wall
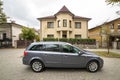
69,32
83,31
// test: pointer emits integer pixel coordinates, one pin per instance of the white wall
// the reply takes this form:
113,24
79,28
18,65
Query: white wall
15,34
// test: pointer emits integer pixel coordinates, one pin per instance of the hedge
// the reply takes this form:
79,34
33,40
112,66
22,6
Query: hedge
72,40
50,39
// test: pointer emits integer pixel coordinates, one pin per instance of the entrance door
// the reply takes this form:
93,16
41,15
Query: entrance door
64,35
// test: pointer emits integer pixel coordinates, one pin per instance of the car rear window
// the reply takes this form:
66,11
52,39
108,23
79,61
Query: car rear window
45,47
37,48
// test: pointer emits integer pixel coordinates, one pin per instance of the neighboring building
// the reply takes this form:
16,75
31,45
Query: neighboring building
9,33
109,32
63,24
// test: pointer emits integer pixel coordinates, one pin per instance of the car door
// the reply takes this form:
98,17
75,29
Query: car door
71,57
52,55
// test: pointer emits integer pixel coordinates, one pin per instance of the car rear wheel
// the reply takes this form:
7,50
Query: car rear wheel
37,66
93,66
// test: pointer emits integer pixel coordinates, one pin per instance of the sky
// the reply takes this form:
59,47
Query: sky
26,12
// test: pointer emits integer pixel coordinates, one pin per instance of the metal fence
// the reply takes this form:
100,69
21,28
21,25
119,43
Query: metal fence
23,43
5,43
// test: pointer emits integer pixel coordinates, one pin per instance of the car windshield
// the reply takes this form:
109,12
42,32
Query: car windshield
80,49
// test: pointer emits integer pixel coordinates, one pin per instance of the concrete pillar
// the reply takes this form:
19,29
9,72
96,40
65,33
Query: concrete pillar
114,45
97,44
60,34
68,34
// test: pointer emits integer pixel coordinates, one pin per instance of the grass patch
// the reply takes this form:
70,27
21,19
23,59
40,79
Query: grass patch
105,54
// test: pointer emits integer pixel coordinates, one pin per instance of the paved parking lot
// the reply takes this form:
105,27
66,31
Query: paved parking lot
11,68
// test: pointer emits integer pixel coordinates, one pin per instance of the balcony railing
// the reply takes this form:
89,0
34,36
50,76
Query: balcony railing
64,29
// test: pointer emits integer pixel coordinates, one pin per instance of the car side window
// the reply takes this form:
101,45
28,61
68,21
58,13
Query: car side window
52,47
37,48
69,49
75,50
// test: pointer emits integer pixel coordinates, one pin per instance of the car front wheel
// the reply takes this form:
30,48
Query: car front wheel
37,66
93,66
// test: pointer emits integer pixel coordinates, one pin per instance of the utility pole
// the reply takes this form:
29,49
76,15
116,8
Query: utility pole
108,36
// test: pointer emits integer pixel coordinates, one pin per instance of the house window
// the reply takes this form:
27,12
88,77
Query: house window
50,36
78,36
58,23
64,22
112,26
50,24
70,23
77,24
119,26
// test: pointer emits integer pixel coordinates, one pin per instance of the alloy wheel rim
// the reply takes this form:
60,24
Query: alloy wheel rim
37,66
93,66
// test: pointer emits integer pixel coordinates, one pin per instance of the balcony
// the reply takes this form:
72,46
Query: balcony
64,29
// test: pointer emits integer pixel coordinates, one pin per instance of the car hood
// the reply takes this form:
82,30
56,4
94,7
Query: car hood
89,53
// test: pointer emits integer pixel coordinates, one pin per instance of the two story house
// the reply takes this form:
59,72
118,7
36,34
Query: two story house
9,33
63,24
107,34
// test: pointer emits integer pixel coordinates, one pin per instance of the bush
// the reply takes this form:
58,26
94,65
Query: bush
63,39
50,39
72,40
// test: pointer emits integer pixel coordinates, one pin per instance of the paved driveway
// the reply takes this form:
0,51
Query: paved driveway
11,68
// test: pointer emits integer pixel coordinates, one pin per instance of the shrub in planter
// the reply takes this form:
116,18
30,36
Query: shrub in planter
63,39
72,40
50,39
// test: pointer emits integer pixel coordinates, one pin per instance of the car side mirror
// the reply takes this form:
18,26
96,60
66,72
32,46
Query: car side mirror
80,53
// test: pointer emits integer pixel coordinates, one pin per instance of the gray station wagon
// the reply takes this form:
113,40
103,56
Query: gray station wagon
40,55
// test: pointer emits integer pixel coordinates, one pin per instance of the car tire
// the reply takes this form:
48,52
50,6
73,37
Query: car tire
37,66
93,66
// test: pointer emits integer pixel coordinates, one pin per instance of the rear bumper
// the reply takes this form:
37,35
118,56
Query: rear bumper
25,61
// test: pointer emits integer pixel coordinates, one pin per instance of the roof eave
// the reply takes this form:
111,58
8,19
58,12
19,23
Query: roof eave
49,17
88,19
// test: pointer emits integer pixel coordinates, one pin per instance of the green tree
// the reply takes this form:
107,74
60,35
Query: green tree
3,18
37,37
28,33
113,2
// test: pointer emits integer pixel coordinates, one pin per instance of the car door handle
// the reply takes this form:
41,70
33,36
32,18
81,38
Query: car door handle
45,54
65,56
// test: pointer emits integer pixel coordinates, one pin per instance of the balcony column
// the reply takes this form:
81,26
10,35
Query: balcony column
68,34
60,34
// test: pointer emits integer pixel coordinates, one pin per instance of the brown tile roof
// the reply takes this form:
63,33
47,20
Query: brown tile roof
80,17
64,9
104,23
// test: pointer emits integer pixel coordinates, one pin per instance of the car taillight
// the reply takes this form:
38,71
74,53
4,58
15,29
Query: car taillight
25,53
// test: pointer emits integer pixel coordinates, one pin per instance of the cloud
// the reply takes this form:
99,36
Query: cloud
26,12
